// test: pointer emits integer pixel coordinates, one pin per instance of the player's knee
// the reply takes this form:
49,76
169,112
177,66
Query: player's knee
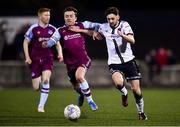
45,81
119,82
136,89
36,87
80,79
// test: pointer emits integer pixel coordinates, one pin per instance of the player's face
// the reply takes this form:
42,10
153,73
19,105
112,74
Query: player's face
70,17
45,17
112,19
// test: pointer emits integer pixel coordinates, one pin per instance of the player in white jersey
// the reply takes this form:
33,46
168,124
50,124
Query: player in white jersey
119,37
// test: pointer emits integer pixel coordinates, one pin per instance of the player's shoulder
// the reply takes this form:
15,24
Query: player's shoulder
123,22
33,26
104,25
80,24
52,26
62,27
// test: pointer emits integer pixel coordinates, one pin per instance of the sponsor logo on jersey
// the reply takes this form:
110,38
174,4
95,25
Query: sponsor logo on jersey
73,36
43,39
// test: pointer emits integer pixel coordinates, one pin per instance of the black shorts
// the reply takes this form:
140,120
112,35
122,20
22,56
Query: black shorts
72,76
130,70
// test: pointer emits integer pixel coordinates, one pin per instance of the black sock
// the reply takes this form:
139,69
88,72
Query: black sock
119,87
138,97
122,89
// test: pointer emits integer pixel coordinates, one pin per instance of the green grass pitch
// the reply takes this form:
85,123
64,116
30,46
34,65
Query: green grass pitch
19,107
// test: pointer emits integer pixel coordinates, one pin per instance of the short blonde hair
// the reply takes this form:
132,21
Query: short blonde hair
41,10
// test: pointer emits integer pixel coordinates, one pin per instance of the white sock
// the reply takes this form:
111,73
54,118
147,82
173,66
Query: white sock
124,91
140,106
44,95
86,91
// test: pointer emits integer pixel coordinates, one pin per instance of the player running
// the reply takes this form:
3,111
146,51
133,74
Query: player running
40,59
75,56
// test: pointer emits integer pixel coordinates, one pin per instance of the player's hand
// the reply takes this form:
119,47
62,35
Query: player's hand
44,44
60,58
75,29
97,35
28,61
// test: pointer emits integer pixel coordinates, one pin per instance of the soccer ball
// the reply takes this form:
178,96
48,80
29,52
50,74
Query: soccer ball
72,112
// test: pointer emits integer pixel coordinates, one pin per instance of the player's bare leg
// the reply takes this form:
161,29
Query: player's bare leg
80,74
44,90
119,83
36,83
135,86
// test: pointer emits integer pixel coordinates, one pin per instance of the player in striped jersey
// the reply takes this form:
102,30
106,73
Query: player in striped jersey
119,37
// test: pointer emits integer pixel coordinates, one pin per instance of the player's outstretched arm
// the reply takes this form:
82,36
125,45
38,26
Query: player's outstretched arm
79,30
93,33
52,41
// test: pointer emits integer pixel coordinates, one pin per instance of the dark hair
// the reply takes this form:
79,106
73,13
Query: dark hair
41,10
70,8
111,10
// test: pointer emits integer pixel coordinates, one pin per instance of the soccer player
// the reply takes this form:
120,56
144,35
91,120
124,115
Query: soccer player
40,59
119,37
75,56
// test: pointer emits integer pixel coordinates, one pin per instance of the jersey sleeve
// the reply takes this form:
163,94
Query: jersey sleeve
100,30
91,25
29,34
54,38
127,28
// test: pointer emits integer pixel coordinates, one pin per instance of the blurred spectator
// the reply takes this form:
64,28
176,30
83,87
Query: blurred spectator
150,59
18,42
171,57
162,58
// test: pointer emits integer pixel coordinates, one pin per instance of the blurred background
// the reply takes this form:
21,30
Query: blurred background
156,28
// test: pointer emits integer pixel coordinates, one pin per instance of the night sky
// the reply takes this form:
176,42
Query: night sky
154,24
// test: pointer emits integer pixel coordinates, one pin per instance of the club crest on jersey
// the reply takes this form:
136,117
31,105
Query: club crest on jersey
65,37
38,32
50,32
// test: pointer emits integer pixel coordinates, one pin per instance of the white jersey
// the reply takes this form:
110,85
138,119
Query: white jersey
112,37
